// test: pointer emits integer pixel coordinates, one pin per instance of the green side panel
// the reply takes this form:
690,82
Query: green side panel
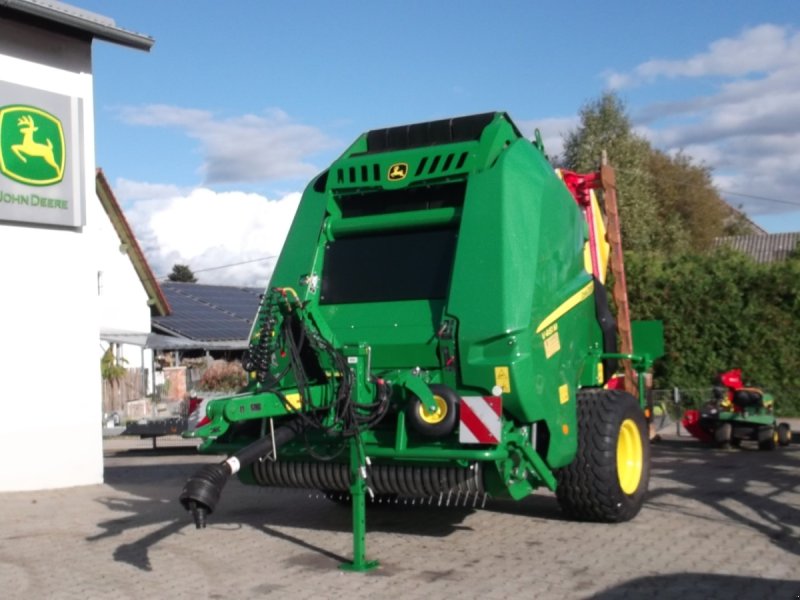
648,338
519,257
399,334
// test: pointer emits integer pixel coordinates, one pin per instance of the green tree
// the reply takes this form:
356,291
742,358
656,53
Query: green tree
691,212
604,126
668,203
182,273
111,368
720,309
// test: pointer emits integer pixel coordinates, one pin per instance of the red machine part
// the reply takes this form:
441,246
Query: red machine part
580,186
732,379
617,382
691,422
195,404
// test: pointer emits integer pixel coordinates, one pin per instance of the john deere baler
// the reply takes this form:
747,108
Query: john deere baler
437,327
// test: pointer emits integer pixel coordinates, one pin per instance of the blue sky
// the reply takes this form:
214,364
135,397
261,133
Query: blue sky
208,139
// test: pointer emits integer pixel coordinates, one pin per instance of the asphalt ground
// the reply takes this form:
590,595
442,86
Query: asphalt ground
717,524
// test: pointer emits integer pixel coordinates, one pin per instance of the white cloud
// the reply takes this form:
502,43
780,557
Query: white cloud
755,136
553,131
246,148
748,128
127,190
206,229
615,81
756,50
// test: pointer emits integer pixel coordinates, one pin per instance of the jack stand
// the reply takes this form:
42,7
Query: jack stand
358,489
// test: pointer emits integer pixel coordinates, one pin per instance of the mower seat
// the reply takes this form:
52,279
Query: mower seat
748,398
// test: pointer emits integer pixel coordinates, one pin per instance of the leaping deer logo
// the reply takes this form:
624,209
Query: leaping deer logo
398,171
31,147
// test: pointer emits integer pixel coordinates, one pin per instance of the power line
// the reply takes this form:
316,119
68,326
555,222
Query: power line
719,190
244,262
765,198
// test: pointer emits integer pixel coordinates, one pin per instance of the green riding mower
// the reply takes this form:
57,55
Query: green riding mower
737,413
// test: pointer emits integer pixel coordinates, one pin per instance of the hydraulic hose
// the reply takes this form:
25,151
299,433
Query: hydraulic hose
202,491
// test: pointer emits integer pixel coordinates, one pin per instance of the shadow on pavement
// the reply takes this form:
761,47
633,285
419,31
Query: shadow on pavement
743,485
700,586
156,485
151,482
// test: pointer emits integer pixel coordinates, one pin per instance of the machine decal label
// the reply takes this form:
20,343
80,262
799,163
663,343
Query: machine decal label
398,171
502,379
294,401
563,393
552,345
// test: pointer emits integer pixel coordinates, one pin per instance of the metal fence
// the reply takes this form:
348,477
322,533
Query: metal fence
126,403
118,392
669,406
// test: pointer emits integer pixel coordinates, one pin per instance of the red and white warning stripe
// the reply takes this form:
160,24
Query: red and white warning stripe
480,420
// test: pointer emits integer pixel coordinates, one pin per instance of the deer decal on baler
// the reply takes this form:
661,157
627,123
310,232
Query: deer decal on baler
32,148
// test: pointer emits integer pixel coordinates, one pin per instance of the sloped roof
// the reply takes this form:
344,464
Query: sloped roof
98,26
155,296
209,313
763,248
736,214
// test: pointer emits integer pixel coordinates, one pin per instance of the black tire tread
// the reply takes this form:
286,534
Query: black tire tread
784,434
766,439
439,430
588,489
722,434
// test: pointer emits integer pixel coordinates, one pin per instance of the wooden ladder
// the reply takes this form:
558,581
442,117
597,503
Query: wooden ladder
608,183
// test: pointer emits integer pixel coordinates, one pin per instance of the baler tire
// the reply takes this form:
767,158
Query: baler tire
784,434
448,404
592,487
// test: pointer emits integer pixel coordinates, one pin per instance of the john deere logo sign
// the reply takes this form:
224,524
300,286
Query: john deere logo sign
43,174
31,145
398,171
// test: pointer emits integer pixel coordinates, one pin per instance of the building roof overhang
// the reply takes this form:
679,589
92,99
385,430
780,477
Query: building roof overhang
96,25
155,294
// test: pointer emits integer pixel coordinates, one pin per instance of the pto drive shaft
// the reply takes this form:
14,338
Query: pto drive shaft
201,492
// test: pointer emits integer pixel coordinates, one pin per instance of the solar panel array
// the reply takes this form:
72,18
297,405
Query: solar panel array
209,312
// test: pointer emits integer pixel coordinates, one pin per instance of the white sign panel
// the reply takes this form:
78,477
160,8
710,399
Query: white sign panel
41,157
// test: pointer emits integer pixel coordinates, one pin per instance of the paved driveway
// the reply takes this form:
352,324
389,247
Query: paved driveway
718,524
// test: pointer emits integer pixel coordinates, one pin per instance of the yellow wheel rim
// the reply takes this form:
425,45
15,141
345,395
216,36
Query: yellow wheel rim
437,416
629,457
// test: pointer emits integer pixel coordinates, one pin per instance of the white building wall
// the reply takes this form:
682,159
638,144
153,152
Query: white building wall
122,298
51,401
